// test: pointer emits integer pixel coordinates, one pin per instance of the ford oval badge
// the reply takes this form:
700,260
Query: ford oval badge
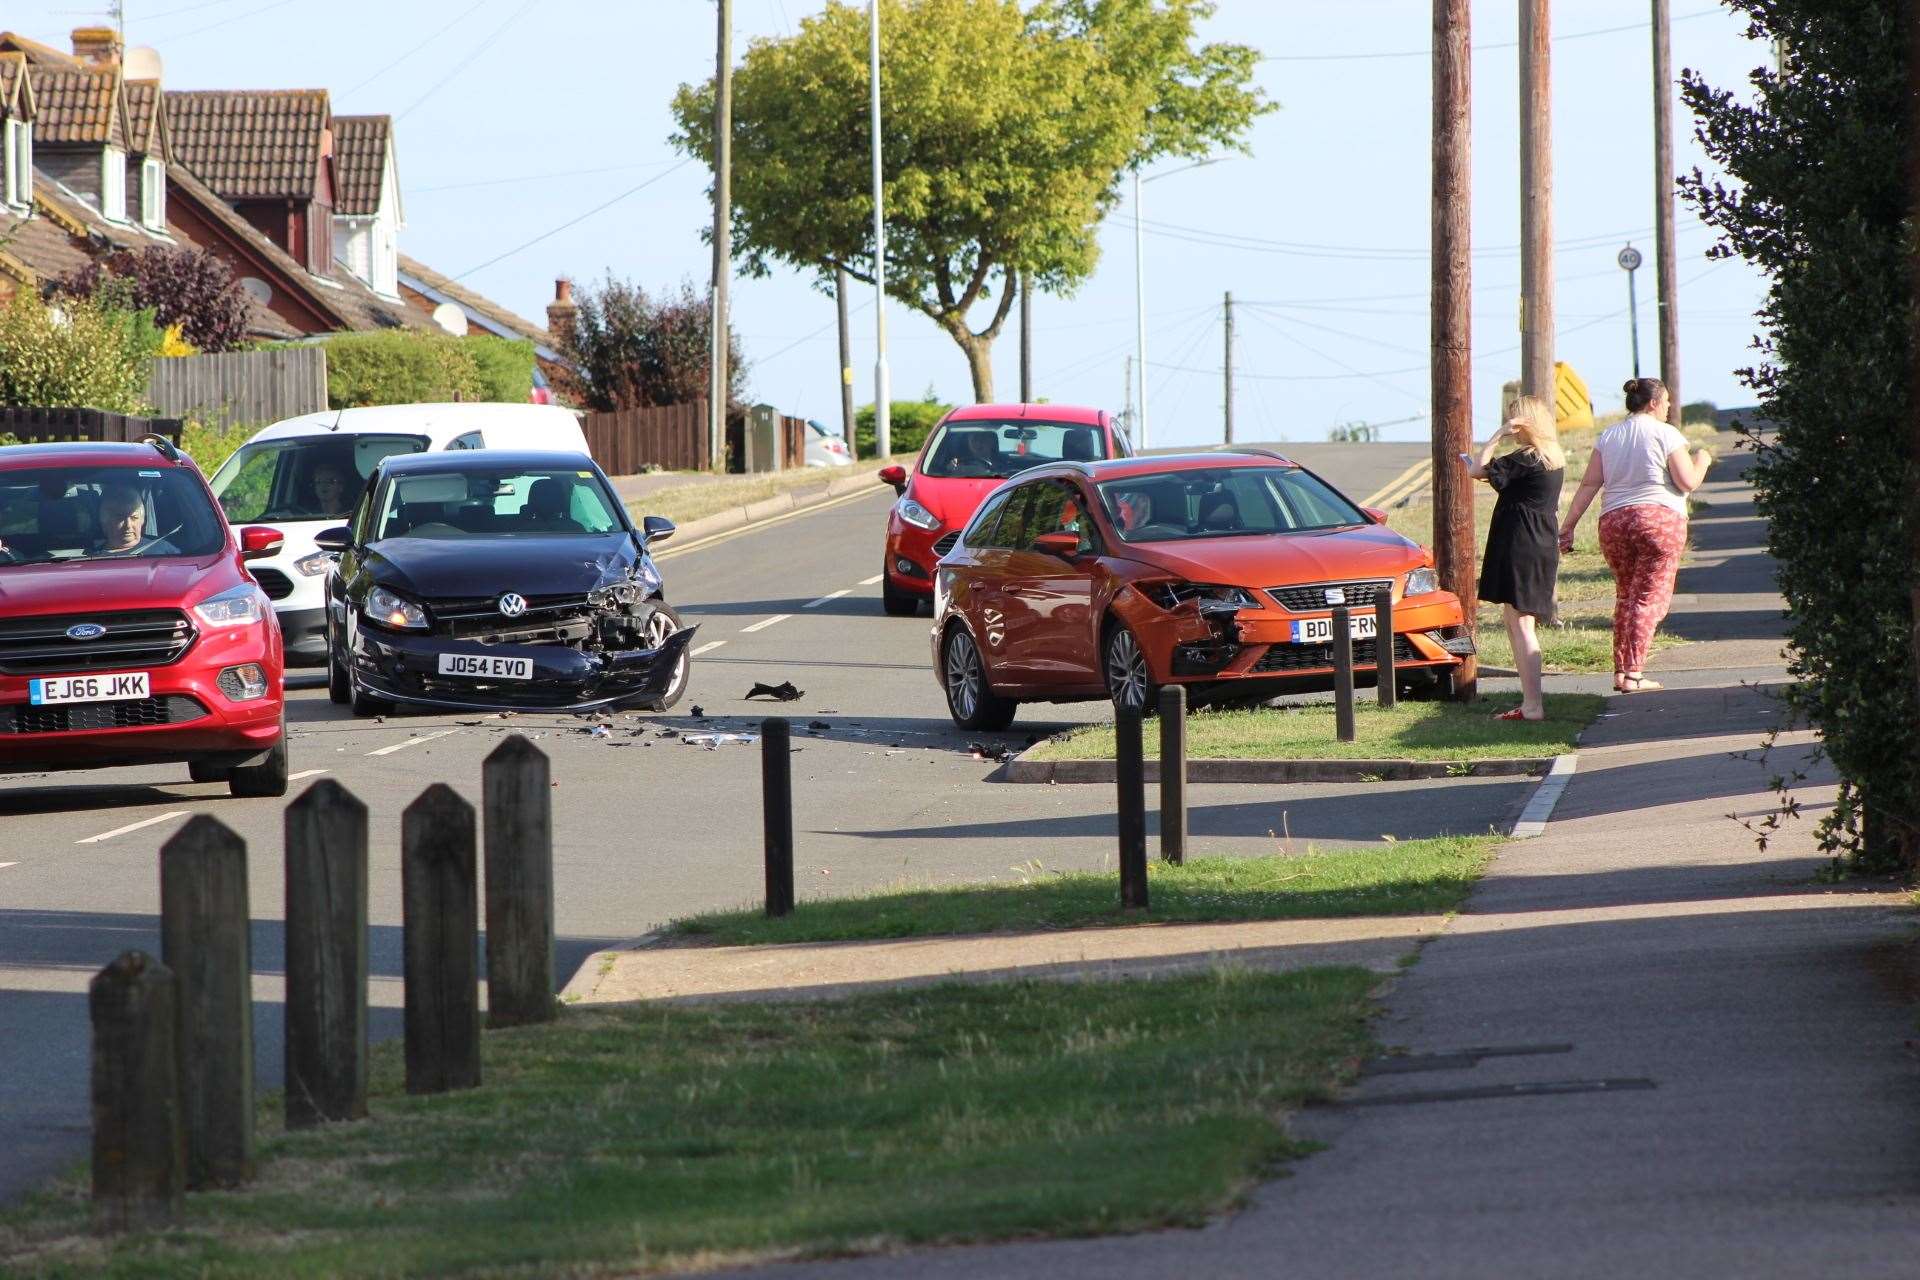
85,631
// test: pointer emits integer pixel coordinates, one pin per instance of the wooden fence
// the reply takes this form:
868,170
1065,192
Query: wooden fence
240,386
28,425
625,441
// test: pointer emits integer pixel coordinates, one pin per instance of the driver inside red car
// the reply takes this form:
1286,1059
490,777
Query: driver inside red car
1133,510
123,520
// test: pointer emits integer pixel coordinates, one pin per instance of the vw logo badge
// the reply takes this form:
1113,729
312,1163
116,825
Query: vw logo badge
85,631
512,605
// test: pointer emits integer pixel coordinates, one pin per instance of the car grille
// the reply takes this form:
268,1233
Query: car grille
69,718
1307,657
1311,597
276,584
482,616
141,638
946,543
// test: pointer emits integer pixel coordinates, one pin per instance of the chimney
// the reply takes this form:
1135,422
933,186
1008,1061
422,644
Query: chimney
97,45
560,312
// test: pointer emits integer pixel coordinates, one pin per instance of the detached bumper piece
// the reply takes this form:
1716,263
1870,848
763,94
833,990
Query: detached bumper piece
1455,641
402,668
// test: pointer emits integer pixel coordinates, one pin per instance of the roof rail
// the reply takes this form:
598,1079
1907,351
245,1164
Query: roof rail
167,448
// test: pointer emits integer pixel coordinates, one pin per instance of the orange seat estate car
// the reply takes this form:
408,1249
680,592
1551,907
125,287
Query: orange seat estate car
1217,571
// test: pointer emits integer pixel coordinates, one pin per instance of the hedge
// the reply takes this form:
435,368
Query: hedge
416,366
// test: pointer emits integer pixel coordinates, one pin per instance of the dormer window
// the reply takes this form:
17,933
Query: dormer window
16,164
113,184
153,194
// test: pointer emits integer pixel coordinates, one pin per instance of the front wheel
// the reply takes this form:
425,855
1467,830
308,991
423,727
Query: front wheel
969,701
1129,682
339,685
897,604
664,622
268,778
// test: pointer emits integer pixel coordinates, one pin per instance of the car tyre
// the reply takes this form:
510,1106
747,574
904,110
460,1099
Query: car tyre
1437,687
963,674
339,683
266,779
365,704
200,772
1123,665
664,622
897,604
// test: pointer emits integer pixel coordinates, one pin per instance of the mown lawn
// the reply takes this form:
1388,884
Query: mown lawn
1405,877
616,1142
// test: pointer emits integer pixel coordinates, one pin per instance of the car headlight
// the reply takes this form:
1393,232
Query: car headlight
1422,582
1171,595
233,607
647,575
916,515
390,610
314,565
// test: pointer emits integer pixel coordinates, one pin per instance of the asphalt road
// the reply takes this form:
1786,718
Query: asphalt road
646,828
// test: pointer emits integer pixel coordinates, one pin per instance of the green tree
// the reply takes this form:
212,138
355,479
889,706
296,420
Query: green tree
635,350
81,354
1816,150
1007,131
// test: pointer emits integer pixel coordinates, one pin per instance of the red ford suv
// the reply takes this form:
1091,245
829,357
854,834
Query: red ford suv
130,631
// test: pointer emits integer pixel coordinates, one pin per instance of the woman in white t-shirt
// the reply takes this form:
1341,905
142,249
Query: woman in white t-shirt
1646,471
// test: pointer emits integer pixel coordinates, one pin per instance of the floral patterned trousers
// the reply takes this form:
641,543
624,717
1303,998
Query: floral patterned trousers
1642,544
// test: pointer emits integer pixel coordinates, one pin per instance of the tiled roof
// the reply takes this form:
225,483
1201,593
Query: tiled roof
250,143
40,55
16,86
146,126
472,301
78,105
359,163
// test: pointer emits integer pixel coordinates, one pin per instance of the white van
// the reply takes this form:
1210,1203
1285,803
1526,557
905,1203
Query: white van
306,474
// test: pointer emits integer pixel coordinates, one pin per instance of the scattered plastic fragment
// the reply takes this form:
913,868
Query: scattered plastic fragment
782,692
712,740
699,712
601,731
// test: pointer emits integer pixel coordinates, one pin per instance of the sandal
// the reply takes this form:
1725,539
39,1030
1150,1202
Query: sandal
1517,714
1637,684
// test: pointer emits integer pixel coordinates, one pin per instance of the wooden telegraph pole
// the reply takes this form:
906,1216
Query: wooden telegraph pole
1912,838
1453,539
722,234
841,283
1663,202
1536,203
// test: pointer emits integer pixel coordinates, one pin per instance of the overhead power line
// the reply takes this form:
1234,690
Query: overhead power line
574,221
540,177
237,17
1478,48
438,32
467,61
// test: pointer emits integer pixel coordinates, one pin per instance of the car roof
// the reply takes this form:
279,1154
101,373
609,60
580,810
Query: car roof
438,422
1074,413
1171,463
486,460
86,453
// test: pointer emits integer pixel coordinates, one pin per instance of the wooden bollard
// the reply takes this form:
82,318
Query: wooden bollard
776,793
204,940
1173,774
1383,645
326,1038
1130,778
1343,673
139,1148
440,921
517,800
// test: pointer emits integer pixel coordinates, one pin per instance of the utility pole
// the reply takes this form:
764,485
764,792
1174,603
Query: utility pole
1227,364
1139,315
1663,202
1452,315
1026,338
841,283
1910,838
1127,398
882,393
722,237
1536,202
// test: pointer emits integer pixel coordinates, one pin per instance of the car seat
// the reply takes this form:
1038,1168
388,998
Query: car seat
548,502
1080,445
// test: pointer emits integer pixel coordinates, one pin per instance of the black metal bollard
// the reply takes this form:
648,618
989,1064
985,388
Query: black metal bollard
1383,645
1173,774
1130,775
1343,672
776,789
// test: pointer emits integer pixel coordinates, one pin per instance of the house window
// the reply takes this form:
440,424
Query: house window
113,184
153,194
16,164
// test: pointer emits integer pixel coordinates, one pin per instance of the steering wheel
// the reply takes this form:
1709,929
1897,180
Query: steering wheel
7,554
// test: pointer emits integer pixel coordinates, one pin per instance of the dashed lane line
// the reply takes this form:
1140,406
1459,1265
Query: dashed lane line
412,742
133,826
867,582
708,647
764,623
5,865
815,604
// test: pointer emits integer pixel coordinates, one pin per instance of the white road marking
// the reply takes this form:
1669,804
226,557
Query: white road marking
708,647
411,742
305,773
764,623
133,826
5,865
867,582
1533,819
815,604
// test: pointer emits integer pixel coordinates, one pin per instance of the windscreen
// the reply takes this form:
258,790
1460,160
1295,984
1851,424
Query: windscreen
494,504
315,477
99,513
1224,502
982,447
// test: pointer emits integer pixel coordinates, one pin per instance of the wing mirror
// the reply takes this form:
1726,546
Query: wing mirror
336,539
895,476
258,542
1062,544
656,529
1375,514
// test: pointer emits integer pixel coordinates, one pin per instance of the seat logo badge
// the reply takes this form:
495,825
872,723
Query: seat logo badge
1336,595
85,631
512,605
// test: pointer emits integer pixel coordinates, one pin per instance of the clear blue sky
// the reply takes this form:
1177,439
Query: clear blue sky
560,106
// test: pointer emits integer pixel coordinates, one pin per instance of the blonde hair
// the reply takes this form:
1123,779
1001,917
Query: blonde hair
1536,431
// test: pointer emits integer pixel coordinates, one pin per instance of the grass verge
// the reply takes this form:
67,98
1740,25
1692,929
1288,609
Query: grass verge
620,1141
697,499
1406,731
1406,877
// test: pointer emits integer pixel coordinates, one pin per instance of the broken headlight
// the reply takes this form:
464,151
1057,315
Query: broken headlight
1171,595
1422,582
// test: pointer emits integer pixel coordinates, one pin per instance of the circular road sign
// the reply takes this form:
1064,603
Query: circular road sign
1629,259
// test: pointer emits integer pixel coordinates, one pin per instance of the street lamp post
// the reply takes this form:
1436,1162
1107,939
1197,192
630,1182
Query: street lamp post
1629,261
882,396
1140,296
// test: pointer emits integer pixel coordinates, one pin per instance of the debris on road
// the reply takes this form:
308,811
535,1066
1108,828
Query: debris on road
782,692
699,712
712,740
818,726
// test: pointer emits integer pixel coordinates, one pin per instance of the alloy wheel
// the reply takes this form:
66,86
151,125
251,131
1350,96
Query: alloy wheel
660,626
963,676
1127,677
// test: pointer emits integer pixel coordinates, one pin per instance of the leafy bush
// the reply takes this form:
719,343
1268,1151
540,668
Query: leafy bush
909,422
1702,411
1816,156
399,367
504,365
209,445
188,288
636,351
85,355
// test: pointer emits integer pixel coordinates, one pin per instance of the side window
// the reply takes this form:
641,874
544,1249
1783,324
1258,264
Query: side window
1047,513
248,496
980,529
471,440
1011,532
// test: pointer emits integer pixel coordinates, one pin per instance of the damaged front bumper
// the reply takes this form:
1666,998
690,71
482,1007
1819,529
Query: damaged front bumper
406,669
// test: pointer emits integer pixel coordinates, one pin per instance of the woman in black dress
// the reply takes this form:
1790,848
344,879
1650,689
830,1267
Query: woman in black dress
1523,544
